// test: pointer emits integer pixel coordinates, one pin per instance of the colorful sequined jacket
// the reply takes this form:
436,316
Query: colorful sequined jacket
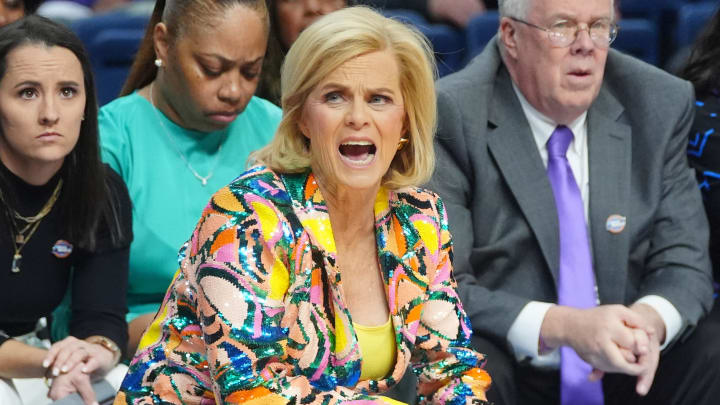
256,313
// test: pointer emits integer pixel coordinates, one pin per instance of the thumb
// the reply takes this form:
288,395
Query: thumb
596,375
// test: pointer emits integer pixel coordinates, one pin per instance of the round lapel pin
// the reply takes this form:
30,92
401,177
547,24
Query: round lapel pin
62,249
615,223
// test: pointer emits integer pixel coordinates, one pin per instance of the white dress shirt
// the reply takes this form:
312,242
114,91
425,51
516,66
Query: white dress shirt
524,334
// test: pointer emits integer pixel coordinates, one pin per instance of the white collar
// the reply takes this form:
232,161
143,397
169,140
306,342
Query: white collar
542,126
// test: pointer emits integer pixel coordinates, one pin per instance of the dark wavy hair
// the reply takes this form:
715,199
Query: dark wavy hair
85,198
179,16
703,67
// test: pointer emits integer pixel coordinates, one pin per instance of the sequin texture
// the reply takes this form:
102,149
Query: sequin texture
252,313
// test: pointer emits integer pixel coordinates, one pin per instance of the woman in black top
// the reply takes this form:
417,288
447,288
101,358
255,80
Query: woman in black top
703,71
65,220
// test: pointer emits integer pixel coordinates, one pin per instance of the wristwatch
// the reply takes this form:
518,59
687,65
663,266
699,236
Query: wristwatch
107,344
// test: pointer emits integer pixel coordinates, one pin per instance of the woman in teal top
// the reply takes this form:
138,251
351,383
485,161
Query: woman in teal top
183,128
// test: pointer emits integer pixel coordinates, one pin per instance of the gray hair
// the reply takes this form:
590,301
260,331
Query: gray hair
513,8
519,8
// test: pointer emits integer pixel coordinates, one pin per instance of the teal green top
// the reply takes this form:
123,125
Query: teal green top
167,198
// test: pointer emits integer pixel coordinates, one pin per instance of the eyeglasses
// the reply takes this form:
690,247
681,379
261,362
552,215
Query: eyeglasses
564,32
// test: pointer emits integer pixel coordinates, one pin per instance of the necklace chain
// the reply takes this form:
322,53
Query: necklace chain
203,179
32,224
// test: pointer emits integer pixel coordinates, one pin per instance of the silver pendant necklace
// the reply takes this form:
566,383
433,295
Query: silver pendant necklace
203,179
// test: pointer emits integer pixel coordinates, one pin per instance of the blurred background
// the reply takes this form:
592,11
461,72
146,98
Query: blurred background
659,32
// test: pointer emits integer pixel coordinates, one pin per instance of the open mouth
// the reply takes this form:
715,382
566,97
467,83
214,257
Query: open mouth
358,152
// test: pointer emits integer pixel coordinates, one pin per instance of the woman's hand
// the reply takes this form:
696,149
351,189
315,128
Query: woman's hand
65,355
74,380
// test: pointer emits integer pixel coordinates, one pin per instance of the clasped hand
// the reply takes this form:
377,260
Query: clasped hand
611,338
73,363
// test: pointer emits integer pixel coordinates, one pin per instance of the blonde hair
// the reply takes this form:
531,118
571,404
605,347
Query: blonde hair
326,45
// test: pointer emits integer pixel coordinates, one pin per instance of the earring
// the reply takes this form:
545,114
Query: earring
402,143
158,62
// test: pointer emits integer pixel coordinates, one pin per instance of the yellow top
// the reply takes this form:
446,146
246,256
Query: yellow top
377,347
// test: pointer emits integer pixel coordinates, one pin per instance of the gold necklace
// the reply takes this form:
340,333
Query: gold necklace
203,179
21,239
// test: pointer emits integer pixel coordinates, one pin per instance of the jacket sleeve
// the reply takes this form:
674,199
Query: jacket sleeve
678,266
100,277
240,266
448,370
491,311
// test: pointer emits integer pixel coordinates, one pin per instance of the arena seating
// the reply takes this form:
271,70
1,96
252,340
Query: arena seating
651,30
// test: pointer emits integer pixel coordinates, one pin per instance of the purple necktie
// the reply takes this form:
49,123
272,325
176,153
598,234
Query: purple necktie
576,283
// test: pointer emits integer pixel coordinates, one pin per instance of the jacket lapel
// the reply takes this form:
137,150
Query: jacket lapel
610,159
400,250
397,258
400,256
512,145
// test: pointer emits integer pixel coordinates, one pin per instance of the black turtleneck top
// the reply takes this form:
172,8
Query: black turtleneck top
49,267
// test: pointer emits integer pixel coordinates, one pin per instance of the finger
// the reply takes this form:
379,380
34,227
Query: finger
65,356
51,360
628,355
52,353
635,320
84,388
60,389
80,354
596,375
650,361
91,365
642,342
616,361
624,336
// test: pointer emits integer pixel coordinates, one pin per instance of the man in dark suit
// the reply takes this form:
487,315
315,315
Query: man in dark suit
580,238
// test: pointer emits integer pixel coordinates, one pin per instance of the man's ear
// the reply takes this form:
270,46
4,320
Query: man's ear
508,36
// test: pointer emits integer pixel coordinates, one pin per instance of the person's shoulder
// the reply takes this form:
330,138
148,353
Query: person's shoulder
629,74
120,204
418,197
122,106
259,178
115,183
480,72
262,109
258,182
707,109
117,115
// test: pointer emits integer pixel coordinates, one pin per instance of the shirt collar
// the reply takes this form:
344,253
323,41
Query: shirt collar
542,126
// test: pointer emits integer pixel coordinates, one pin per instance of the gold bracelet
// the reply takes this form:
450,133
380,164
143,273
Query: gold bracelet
106,344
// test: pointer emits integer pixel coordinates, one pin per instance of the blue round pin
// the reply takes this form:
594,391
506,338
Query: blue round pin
615,223
62,249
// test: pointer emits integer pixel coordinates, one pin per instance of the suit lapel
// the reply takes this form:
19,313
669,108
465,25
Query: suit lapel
512,145
609,151
396,255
